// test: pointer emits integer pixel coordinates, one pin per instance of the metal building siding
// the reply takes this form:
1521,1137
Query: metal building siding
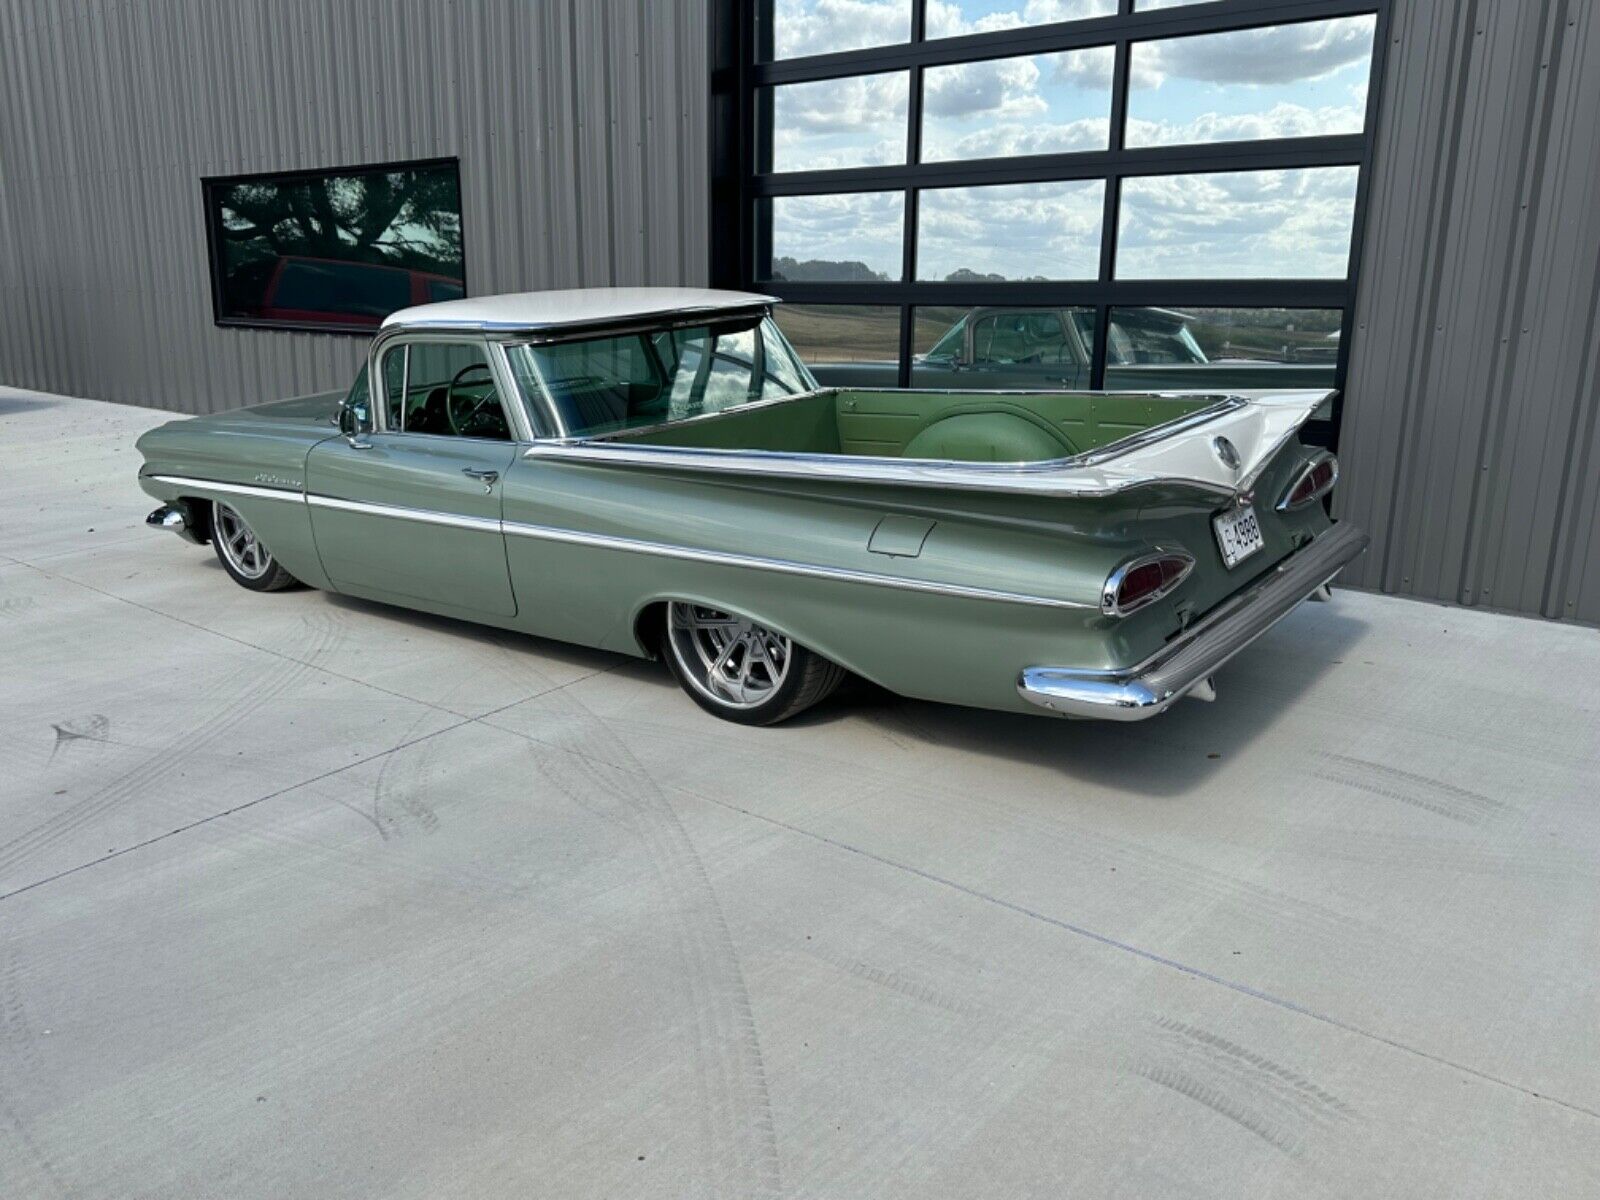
1470,439
581,126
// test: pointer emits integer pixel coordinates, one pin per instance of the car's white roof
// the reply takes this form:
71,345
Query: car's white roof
572,307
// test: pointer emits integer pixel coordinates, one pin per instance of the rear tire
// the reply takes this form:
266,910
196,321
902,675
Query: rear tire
244,556
741,671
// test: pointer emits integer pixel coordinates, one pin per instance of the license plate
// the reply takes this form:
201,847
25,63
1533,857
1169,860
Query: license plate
1238,534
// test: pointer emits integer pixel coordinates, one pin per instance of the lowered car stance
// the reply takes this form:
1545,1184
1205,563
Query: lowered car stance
654,471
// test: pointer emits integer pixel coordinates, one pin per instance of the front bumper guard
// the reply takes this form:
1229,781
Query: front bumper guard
1185,664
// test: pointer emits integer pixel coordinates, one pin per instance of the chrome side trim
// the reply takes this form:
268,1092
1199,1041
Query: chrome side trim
781,566
230,489
550,533
399,512
1184,664
1038,478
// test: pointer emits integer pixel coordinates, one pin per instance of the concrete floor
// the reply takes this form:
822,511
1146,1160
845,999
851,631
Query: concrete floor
301,896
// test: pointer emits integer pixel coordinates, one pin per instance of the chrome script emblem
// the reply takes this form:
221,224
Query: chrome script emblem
1227,453
277,480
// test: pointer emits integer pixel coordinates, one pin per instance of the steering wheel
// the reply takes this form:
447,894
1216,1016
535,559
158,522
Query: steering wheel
473,416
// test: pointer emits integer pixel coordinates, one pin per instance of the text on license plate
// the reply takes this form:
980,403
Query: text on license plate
1238,534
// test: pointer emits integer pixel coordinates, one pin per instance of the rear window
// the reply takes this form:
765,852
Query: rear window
603,385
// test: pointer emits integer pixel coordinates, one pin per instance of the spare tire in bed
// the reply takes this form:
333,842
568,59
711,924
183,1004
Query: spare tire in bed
986,437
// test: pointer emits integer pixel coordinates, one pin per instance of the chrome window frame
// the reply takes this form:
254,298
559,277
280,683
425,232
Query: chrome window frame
504,339
509,396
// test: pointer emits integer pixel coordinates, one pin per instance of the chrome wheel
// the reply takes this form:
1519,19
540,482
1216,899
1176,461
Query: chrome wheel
237,543
730,659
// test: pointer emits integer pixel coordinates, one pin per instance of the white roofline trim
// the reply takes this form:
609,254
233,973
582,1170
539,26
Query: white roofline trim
576,308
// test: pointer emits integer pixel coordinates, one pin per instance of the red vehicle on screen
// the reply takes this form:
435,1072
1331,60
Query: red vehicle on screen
303,290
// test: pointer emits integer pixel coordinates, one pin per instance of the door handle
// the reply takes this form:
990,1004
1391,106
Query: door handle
487,478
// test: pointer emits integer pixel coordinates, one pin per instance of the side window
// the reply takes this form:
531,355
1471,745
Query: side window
982,339
394,385
450,391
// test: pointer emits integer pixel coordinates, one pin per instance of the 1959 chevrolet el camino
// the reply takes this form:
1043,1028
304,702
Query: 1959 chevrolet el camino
655,471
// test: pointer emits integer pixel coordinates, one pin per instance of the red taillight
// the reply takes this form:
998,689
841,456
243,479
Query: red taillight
1314,482
1144,580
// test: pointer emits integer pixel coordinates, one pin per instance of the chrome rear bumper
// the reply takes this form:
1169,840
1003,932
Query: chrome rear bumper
1185,664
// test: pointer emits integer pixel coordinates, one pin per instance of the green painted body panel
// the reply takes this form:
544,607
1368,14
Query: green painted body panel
262,446
951,648
399,560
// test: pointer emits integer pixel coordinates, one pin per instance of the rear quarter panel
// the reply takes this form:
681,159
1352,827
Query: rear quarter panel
955,649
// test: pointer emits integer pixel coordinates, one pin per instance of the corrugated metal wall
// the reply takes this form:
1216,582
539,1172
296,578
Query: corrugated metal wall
1471,443
581,126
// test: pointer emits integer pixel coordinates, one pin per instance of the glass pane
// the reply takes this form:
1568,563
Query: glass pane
1002,347
1032,104
602,385
855,122
339,251
853,236
450,391
1153,348
801,27
1011,231
950,18
1237,225
1300,80
845,344
394,385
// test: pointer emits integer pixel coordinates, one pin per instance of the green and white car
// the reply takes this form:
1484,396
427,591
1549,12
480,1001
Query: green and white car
654,471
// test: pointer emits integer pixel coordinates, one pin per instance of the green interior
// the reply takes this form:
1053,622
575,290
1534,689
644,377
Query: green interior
958,426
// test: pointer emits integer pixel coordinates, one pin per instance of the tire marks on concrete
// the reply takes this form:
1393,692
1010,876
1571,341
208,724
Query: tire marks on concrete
145,777
398,808
1412,788
31,1171
1455,855
1277,1104
96,727
15,606
730,1075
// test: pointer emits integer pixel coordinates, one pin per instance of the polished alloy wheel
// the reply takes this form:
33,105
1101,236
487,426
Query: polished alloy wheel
729,658
237,543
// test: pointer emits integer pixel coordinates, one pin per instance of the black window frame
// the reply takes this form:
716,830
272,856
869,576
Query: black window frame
741,67
212,209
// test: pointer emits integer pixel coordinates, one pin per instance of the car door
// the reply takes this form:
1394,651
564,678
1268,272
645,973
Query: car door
409,512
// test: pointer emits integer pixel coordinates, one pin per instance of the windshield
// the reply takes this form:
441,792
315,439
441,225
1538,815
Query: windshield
1130,342
608,384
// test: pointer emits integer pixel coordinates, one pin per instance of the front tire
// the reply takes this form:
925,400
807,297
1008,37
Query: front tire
741,671
243,555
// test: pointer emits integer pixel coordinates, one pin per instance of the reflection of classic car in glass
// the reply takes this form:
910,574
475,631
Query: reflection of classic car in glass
1146,348
654,471
304,290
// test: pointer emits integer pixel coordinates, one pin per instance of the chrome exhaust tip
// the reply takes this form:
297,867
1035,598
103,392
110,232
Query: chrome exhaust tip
175,517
